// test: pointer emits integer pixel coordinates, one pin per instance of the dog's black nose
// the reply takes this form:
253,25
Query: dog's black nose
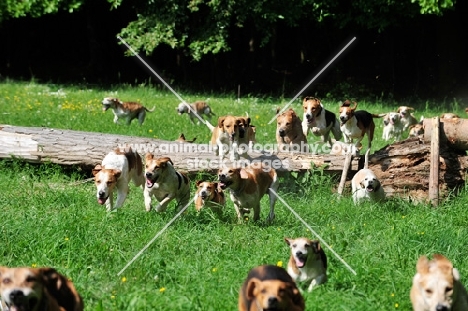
299,253
308,116
282,132
342,118
441,308
272,301
148,175
221,176
101,193
16,295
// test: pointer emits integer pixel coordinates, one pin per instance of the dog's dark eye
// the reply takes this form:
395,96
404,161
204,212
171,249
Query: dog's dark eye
6,281
109,182
31,278
294,245
263,291
98,181
307,245
287,123
448,289
429,291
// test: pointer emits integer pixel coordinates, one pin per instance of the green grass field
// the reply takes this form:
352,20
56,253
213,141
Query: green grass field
51,218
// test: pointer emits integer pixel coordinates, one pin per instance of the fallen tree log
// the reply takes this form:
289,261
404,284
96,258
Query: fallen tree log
403,167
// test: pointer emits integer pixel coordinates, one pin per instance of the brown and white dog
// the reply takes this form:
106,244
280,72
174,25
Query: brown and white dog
246,134
356,124
437,286
182,139
416,130
393,127
198,108
407,118
270,287
366,186
319,120
247,187
114,173
125,110
210,195
225,137
308,262
37,289
165,184
289,134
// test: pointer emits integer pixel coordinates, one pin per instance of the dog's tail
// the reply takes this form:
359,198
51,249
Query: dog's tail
378,115
366,159
150,110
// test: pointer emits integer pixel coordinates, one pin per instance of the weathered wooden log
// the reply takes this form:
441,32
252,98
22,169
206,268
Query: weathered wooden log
453,132
434,169
403,167
86,149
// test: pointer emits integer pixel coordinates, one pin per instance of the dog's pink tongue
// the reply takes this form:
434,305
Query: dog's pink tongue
299,263
149,183
13,308
101,201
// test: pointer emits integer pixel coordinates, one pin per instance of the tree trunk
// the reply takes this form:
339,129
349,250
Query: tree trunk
402,168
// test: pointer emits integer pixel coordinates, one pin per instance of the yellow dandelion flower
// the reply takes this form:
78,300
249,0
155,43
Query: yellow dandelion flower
393,295
397,305
124,279
150,130
257,117
162,289
403,216
214,269
279,264
34,265
246,218
279,229
66,239
112,297
333,227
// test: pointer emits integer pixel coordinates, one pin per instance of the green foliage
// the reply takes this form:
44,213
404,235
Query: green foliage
434,6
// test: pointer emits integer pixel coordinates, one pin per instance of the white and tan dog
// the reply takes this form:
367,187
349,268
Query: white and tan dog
247,187
356,124
198,108
165,184
37,289
246,134
225,138
366,186
437,286
319,121
289,134
407,117
114,173
308,262
209,195
125,110
393,128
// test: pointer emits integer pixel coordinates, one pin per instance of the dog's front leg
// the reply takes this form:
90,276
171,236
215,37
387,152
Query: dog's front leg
305,128
110,202
116,119
234,152
147,196
162,206
312,285
122,192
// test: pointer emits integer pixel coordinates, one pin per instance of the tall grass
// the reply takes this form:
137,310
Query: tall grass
50,218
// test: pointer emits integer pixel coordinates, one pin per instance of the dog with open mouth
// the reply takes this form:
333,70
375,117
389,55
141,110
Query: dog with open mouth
365,185
289,134
37,289
114,173
270,288
308,262
247,186
125,110
165,184
209,195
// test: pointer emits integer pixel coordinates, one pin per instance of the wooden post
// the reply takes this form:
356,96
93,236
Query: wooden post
434,171
344,174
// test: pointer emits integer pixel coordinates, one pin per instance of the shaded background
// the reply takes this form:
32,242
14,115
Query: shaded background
424,57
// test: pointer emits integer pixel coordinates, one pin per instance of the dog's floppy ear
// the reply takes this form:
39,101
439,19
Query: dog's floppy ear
423,265
198,182
316,247
149,156
288,241
221,121
296,296
51,278
97,169
243,174
117,173
251,288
